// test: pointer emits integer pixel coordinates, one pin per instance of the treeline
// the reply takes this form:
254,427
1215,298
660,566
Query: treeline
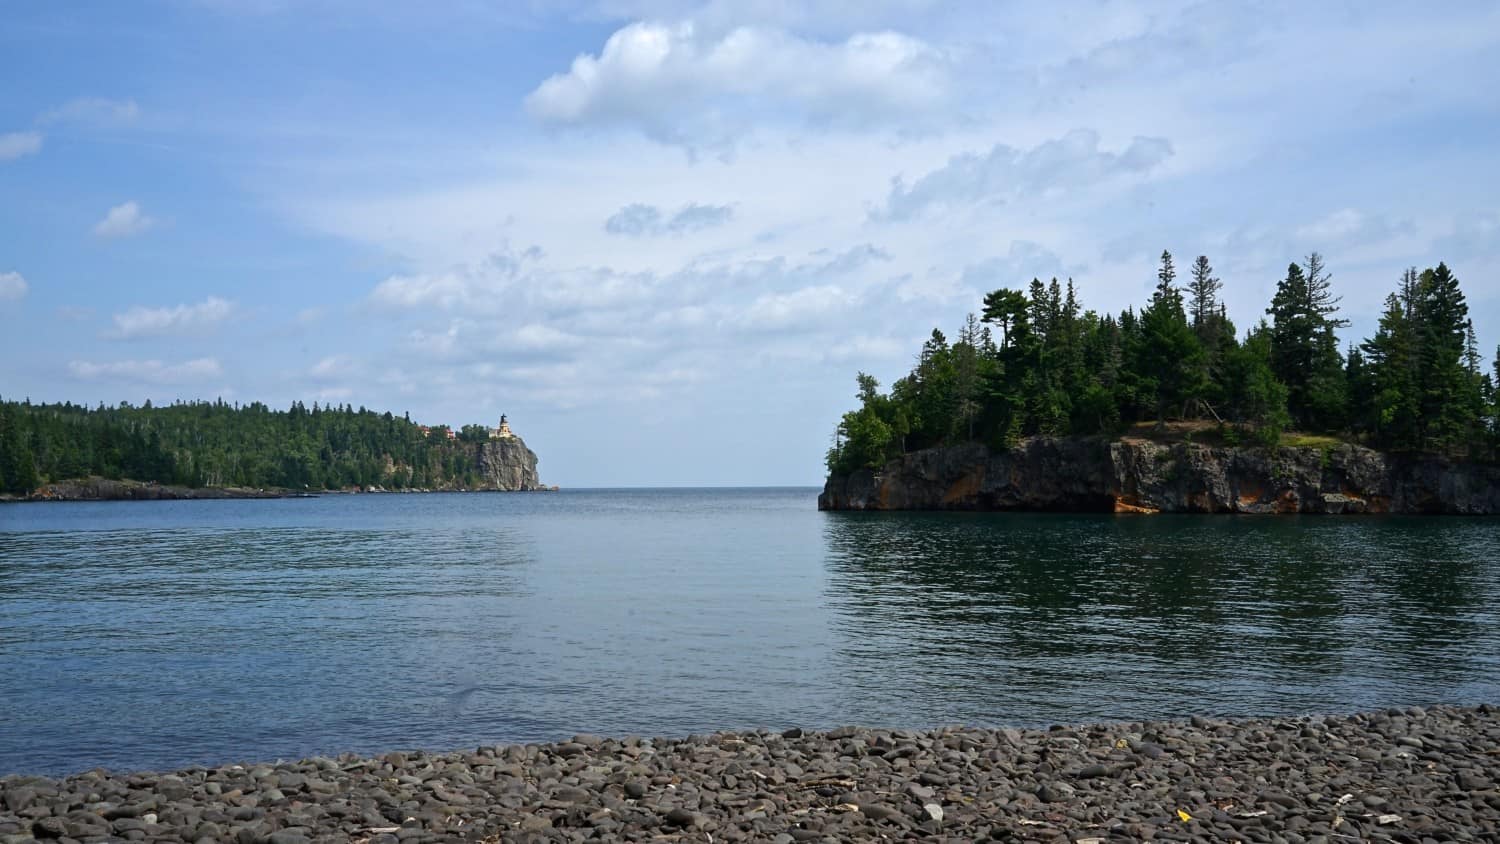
199,444
1035,362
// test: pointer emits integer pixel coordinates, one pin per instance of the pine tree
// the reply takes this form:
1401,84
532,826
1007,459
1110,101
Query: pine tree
1254,397
1203,294
1446,403
1304,348
1170,357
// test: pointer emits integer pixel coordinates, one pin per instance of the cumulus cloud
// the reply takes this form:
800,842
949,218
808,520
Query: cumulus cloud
1005,173
124,220
146,371
677,82
638,220
93,110
179,319
12,286
798,308
14,145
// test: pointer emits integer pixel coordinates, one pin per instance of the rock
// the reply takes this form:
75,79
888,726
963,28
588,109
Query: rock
851,784
1055,792
507,464
17,799
877,811
1096,474
49,827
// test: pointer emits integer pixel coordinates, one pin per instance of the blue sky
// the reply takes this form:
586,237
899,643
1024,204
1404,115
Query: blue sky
663,236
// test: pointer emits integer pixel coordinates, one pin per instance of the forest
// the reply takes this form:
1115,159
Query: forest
1035,362
214,444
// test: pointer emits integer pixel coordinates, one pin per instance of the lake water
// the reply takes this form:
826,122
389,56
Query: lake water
165,634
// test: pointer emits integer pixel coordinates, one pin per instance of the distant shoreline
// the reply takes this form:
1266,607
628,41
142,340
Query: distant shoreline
106,489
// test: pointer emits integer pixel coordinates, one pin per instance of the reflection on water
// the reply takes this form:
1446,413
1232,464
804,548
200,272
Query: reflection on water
1035,619
163,634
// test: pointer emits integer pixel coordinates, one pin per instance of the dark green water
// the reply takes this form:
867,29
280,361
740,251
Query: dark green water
162,634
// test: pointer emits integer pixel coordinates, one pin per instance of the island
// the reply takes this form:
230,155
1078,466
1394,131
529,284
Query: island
191,450
1169,410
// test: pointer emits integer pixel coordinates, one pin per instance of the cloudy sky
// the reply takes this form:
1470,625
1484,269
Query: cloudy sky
663,235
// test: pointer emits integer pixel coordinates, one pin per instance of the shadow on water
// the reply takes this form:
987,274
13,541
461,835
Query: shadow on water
1026,618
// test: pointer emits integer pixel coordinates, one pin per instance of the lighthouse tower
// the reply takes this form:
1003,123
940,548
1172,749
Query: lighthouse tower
503,432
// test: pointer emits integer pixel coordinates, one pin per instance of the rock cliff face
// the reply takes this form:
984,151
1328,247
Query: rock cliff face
1135,476
508,464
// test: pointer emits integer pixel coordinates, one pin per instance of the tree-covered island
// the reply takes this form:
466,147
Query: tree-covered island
1036,362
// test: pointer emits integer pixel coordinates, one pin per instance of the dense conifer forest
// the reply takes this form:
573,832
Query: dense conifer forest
1035,362
198,444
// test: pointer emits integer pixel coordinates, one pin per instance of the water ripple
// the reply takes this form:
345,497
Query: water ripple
171,633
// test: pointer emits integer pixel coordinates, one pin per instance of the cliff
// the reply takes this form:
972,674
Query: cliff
507,464
1090,474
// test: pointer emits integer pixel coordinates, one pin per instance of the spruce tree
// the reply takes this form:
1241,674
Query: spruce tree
1304,346
1203,295
1446,404
1394,410
1170,357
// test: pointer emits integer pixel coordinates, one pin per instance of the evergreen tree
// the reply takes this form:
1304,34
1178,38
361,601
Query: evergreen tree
1206,310
1447,403
1170,357
1254,398
1304,347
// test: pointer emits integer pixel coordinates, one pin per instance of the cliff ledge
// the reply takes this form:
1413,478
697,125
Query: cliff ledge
1093,474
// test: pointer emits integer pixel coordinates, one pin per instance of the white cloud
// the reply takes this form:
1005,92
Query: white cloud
683,84
1006,173
639,220
540,336
93,110
14,145
147,371
124,220
334,366
12,286
1348,226
807,306
151,322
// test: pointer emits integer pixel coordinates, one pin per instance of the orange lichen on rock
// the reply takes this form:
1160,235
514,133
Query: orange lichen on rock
1123,506
966,487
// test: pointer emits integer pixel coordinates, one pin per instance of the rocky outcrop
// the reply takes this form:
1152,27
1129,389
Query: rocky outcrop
507,464
1092,474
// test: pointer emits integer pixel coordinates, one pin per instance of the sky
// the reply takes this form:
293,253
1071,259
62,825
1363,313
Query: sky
663,236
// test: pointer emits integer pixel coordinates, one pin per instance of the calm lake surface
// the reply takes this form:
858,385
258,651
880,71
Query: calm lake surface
165,634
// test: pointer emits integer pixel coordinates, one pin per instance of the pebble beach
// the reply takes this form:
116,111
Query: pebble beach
1410,774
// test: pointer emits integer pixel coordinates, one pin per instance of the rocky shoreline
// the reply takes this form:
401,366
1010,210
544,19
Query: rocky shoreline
1407,774
101,489
105,489
1095,474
